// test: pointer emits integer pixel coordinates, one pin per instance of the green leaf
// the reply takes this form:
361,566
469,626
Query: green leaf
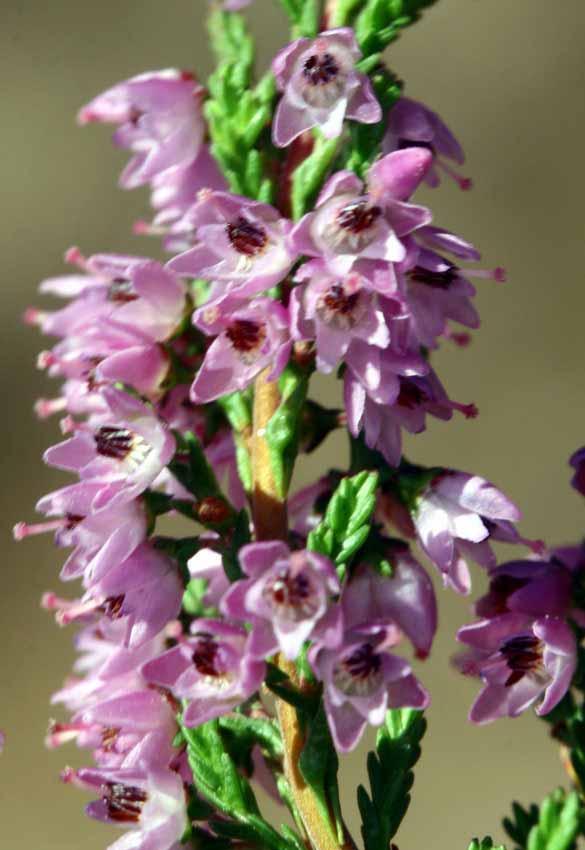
380,22
254,730
192,468
304,16
308,177
346,524
238,410
280,684
485,844
238,114
219,782
239,537
283,428
391,777
344,12
319,764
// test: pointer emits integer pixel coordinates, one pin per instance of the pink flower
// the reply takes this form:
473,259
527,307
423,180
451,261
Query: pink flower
351,223
335,310
124,455
251,338
240,245
452,516
100,540
362,680
577,461
321,87
144,591
286,597
412,124
520,660
405,598
149,802
213,670
160,120
395,396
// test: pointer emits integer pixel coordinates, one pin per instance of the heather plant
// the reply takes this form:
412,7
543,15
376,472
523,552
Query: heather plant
254,651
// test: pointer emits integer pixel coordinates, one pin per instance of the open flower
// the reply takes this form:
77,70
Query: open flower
100,540
124,455
335,310
287,598
213,670
252,338
240,244
519,661
353,223
321,87
362,680
150,803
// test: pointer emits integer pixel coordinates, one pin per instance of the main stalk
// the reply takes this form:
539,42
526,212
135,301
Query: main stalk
270,523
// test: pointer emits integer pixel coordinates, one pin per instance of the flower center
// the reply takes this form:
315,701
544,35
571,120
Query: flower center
109,735
292,596
360,673
340,308
320,69
112,606
120,291
323,80
246,237
410,396
523,656
124,803
358,216
204,656
438,280
121,444
246,337
353,226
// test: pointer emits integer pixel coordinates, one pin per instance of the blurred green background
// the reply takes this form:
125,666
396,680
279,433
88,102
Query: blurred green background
509,78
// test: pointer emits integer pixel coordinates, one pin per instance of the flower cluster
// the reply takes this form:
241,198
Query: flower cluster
159,362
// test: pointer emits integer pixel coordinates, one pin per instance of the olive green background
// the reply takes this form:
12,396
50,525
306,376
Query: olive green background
509,78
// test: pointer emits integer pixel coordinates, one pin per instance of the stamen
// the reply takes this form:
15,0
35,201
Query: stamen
341,307
246,337
320,69
34,317
358,216
22,529
523,655
120,291
204,656
498,274
124,803
464,183
292,595
246,237
360,673
113,442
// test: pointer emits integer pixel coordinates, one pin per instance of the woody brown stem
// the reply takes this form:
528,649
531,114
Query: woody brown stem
270,523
